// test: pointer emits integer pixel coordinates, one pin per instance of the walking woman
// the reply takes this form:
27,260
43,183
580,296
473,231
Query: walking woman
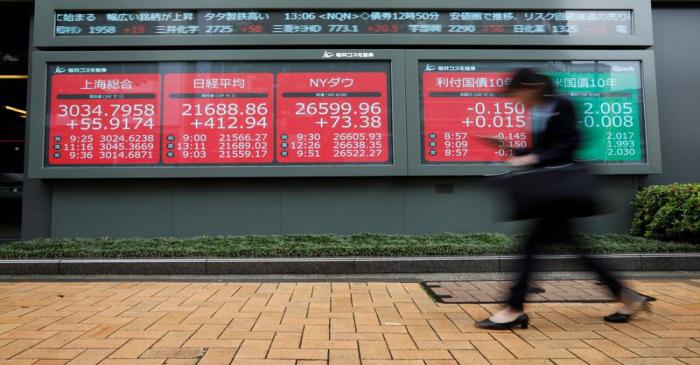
555,140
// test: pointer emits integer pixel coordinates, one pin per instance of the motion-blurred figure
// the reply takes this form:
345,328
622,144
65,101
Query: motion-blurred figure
548,192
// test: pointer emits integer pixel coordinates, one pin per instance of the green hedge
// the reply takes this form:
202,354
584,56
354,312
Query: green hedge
668,212
446,244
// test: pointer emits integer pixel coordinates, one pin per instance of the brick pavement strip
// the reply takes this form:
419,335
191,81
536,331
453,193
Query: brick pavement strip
143,323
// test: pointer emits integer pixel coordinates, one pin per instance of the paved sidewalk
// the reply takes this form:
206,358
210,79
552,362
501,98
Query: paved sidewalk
143,323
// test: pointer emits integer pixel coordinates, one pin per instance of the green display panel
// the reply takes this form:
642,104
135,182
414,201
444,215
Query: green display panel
609,105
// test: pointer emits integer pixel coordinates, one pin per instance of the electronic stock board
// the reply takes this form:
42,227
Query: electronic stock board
327,111
461,100
258,111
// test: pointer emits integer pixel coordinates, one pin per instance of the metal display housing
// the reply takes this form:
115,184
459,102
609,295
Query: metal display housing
44,36
651,114
38,115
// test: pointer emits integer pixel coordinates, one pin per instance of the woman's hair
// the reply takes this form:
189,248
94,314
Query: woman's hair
526,78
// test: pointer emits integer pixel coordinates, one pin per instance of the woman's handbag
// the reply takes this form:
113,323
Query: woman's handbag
559,191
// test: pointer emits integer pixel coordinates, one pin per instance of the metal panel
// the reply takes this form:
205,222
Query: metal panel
226,207
341,206
651,116
474,206
616,194
111,208
184,208
454,204
678,57
37,169
45,12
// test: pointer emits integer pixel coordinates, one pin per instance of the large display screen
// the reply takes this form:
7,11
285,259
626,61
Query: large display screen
332,117
463,104
219,113
134,22
105,118
218,118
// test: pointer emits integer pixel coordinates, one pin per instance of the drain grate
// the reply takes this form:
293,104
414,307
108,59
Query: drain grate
548,291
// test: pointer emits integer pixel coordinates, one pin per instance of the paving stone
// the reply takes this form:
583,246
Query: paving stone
375,323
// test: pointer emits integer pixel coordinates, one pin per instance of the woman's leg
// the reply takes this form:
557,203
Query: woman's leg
631,300
546,231
604,273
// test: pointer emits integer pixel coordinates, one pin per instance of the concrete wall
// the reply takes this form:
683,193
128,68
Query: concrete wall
278,206
676,30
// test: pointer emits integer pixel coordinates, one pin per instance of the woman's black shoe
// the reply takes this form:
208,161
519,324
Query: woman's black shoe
617,318
488,324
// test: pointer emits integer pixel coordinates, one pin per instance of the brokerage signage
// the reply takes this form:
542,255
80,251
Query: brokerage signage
136,22
219,113
463,106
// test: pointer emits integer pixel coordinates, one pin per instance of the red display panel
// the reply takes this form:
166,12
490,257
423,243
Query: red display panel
104,119
333,117
222,118
460,107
